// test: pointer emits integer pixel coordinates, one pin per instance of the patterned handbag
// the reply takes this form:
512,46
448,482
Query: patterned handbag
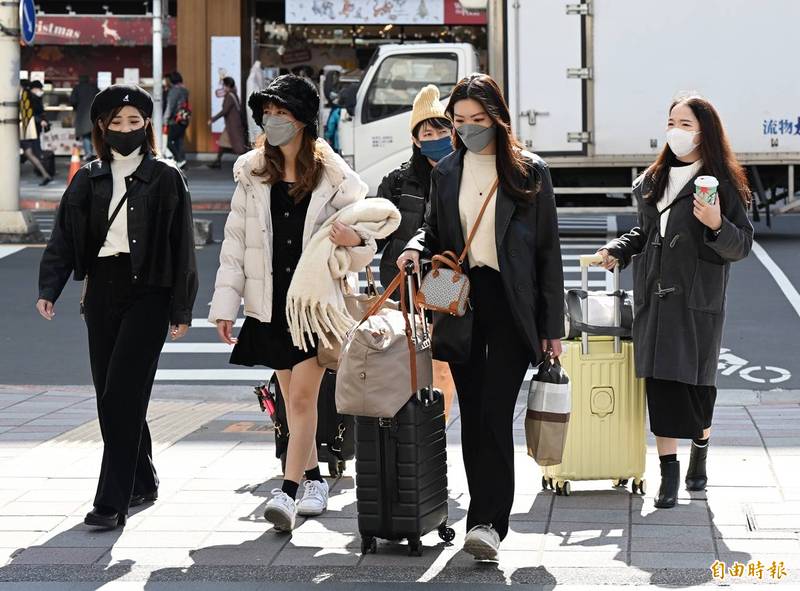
446,287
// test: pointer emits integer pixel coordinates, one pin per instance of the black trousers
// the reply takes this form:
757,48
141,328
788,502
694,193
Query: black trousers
488,386
127,326
175,138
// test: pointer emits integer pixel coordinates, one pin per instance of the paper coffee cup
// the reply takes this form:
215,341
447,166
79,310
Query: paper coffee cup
705,187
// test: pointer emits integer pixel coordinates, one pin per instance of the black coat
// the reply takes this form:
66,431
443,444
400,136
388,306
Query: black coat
160,232
680,282
528,253
408,193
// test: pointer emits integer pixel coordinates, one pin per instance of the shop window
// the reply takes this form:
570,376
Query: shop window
401,77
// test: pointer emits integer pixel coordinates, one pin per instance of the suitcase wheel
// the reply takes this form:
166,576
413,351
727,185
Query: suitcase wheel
448,534
639,487
563,488
415,547
620,482
369,545
336,468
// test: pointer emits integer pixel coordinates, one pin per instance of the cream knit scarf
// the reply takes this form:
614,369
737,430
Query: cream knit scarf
315,301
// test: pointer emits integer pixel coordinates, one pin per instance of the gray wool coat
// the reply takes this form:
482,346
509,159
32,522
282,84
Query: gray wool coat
680,282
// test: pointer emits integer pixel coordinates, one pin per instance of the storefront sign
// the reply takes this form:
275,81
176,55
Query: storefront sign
100,30
456,14
366,12
226,60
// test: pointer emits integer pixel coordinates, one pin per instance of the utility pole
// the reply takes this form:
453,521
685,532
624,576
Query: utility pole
158,70
15,225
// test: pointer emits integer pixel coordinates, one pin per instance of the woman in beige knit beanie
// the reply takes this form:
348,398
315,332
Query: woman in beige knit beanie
407,187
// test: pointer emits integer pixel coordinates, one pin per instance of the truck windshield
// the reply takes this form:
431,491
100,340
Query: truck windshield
401,77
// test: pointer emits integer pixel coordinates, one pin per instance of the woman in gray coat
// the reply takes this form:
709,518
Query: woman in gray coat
681,253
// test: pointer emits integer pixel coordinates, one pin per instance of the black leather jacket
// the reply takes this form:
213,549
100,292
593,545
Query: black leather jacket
403,188
160,232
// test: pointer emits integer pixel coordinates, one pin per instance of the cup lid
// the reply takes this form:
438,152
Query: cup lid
706,181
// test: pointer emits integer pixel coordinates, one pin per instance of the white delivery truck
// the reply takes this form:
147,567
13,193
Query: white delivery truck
589,84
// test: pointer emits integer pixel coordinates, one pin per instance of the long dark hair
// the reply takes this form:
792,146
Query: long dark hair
309,166
512,167
103,150
420,167
716,153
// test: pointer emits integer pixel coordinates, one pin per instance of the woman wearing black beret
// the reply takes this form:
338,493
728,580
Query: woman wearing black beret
124,227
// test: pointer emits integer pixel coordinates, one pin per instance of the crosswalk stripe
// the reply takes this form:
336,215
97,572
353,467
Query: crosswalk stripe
9,250
204,323
213,375
577,283
196,348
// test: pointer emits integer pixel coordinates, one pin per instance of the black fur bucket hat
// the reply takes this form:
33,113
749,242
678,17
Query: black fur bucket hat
296,94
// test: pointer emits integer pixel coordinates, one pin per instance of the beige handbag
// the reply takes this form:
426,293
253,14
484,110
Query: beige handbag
446,287
385,360
224,140
357,305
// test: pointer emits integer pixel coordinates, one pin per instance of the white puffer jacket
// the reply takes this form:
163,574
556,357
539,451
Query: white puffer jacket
245,262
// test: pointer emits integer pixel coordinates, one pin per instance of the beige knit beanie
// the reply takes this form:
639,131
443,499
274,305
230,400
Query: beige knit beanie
426,106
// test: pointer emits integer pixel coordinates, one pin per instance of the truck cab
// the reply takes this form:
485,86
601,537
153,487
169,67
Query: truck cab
376,139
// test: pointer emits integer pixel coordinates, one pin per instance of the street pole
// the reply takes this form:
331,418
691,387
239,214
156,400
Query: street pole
158,71
15,225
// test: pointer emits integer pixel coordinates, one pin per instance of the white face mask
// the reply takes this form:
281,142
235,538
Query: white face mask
681,142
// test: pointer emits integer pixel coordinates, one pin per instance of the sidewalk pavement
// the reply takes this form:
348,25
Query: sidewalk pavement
214,454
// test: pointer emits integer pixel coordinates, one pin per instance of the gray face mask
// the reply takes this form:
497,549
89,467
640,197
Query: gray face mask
476,137
279,130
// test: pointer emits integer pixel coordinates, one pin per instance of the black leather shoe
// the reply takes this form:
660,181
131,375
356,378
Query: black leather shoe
668,491
105,518
696,477
137,499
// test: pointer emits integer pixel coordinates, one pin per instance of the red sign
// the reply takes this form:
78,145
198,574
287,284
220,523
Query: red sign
100,30
456,14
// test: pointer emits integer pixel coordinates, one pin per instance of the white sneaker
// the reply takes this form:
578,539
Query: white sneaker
483,542
281,511
315,498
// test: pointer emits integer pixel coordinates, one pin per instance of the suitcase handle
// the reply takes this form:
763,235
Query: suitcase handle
586,261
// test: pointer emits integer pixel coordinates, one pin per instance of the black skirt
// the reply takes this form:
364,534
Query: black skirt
268,344
679,410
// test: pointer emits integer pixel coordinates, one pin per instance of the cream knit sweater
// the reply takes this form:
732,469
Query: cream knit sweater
477,177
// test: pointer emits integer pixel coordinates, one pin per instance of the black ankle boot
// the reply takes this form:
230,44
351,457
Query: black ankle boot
696,477
668,491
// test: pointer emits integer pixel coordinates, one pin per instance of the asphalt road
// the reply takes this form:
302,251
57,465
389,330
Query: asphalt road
760,350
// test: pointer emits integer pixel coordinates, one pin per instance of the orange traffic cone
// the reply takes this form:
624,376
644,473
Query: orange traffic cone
74,163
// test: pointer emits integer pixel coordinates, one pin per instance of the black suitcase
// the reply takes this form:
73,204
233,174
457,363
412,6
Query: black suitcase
401,472
335,432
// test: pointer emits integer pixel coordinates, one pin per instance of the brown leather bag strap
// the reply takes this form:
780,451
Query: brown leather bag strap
412,349
371,285
446,259
378,304
474,230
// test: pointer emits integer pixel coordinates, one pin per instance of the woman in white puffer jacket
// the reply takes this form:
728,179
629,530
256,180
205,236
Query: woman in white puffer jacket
286,191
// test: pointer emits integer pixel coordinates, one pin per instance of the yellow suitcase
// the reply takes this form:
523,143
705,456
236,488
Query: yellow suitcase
606,432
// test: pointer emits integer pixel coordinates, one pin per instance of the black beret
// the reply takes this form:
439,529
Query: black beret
121,95
296,94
